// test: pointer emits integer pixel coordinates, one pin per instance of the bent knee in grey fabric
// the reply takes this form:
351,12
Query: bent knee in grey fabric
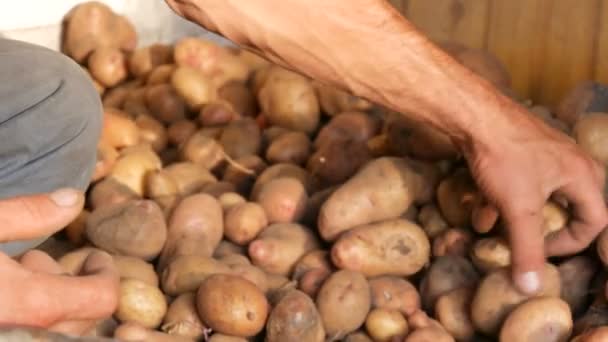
50,122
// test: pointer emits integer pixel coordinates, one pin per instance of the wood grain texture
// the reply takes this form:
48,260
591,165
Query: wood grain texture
601,45
463,21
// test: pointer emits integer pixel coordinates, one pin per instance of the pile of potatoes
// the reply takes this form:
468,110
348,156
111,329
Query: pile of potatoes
244,202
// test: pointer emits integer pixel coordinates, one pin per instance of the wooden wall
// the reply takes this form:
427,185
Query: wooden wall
547,45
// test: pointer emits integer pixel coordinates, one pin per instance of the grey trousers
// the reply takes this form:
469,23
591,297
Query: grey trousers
50,122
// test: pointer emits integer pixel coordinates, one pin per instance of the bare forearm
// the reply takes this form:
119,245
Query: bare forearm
364,46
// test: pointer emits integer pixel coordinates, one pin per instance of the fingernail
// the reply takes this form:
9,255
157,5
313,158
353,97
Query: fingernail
65,197
529,282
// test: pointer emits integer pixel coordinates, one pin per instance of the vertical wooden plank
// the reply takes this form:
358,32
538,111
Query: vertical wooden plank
516,35
401,5
569,47
463,21
601,45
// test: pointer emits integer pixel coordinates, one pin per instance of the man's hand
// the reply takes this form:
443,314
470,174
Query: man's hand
33,293
526,163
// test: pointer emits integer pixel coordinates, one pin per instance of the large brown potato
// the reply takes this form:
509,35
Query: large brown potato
446,274
295,318
243,222
394,247
355,126
232,305
195,88
291,147
240,97
334,163
132,166
185,273
134,228
538,319
189,177
394,293
382,189
452,310
164,103
343,302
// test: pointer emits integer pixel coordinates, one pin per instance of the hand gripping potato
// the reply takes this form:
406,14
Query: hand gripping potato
140,303
232,305
278,248
394,293
383,189
186,272
132,166
394,247
291,147
182,318
334,101
284,200
143,60
164,103
538,319
343,303
135,268
108,66
591,134
289,100
243,222
294,318
195,227
452,310
135,228
446,274
497,296
386,325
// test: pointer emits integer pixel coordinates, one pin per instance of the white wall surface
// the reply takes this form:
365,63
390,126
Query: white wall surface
39,21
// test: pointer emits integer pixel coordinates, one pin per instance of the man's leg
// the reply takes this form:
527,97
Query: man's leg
50,121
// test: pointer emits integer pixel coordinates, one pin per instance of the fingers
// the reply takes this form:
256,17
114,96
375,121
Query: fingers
527,252
29,217
589,219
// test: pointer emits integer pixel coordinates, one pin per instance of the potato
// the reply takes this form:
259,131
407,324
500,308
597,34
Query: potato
357,336
294,318
226,338
453,241
394,293
576,275
311,281
140,303
356,126
153,132
134,228
429,334
278,248
427,143
203,150
244,181
590,134
446,274
216,113
118,129
334,101
555,218
160,74
497,296
249,272
132,332
162,188
289,100
317,259
75,231
343,303
283,170
234,259
241,138
108,66
284,200
538,319
394,247
595,316
185,273
179,131
194,87
164,103
218,188
190,177
240,97
144,60
135,102
244,222
115,97
182,318
135,268
232,305
431,221
132,166
91,25
195,227
420,320
481,62
455,196
594,335
106,158
271,133
291,147
225,248
230,199
383,189
491,253
452,310
386,325
336,162
586,97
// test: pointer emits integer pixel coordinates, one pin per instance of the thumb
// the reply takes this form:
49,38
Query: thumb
29,217
527,250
